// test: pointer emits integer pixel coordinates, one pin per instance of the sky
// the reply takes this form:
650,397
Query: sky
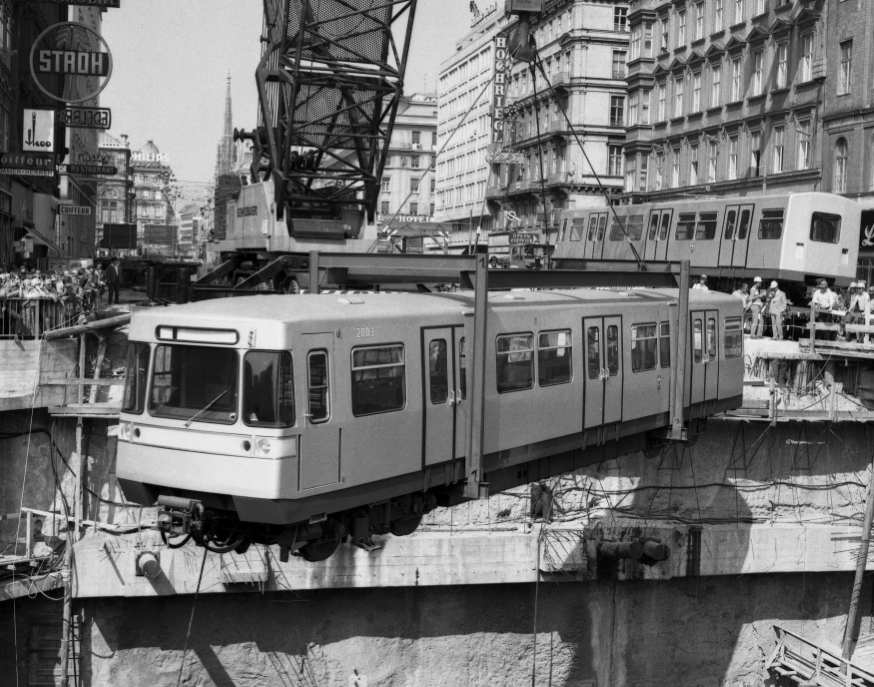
171,59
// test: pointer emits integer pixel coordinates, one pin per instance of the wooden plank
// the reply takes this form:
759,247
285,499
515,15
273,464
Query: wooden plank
860,328
73,381
87,410
116,321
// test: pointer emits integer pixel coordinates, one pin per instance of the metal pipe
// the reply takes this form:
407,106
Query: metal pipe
314,271
152,283
616,550
476,408
678,369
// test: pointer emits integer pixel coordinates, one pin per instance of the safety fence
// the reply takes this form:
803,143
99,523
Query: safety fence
31,318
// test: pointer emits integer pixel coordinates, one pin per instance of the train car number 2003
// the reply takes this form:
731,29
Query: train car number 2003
362,332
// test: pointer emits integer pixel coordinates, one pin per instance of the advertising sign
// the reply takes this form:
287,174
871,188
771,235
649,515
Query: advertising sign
119,236
75,209
39,130
522,238
499,95
76,54
86,3
87,117
159,233
28,164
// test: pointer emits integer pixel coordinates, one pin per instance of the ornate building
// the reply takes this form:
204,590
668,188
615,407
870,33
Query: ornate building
226,155
115,192
152,177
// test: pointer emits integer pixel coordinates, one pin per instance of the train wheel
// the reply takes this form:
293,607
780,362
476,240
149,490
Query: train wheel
654,447
291,285
405,526
320,550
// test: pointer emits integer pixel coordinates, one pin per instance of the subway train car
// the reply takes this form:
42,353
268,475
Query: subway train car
308,419
795,238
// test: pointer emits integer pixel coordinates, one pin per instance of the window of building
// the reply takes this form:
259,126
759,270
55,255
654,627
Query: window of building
732,158
617,110
383,207
645,96
733,336
620,19
696,92
386,184
659,171
712,160
614,161
693,165
620,57
736,75
825,227
554,354
630,172
414,208
647,39
678,97
414,161
782,65
738,11
663,95
755,152
719,16
675,168
681,28
758,72
699,21
414,185
841,158
844,79
771,224
417,138
802,131
761,7
807,57
378,379
715,85
643,172
632,109
644,347
663,44
777,158
634,44
515,362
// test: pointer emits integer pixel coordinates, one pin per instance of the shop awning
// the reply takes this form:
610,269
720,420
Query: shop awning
39,238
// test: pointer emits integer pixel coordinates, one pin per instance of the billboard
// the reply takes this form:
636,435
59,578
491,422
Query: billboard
155,234
119,236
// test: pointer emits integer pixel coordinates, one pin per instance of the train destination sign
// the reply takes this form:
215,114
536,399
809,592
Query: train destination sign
28,164
87,117
75,209
75,53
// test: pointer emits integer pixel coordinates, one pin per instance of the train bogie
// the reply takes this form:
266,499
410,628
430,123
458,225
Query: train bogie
313,418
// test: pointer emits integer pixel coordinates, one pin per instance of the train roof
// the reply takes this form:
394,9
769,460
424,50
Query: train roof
338,307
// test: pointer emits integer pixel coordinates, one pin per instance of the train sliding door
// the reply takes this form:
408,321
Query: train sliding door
595,235
603,385
735,235
439,401
320,443
704,368
658,235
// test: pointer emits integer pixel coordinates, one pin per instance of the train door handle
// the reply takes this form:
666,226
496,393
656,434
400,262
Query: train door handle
451,398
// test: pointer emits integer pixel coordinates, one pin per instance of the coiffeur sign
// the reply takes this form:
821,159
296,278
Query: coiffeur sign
28,164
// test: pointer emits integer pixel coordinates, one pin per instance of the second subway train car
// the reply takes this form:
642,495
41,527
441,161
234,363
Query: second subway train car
308,417
794,238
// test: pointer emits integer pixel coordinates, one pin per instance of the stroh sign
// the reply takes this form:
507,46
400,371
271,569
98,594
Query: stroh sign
76,54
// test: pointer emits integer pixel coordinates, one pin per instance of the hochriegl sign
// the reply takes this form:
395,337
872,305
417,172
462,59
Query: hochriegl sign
74,54
39,131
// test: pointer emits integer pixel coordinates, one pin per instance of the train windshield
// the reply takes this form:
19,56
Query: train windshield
825,227
195,382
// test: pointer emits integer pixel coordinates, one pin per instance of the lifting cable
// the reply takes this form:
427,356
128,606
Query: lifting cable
191,618
539,63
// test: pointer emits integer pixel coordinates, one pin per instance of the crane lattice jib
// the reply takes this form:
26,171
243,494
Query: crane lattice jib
329,81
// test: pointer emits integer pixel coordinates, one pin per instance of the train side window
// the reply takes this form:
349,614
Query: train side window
825,227
593,228
378,377
706,228
136,377
578,226
564,224
462,368
317,386
593,355
612,350
653,226
685,226
711,338
268,389
633,227
697,342
666,225
730,221
644,347
771,224
554,353
437,371
515,362
664,344
602,226
734,337
744,226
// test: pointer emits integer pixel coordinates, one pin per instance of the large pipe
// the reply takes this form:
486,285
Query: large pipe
616,550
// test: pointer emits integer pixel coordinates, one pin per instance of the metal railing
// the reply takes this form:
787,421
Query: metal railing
31,318
798,657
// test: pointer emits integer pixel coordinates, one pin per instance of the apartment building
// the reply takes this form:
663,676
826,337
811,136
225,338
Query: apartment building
566,129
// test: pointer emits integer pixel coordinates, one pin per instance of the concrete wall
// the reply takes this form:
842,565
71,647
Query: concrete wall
709,631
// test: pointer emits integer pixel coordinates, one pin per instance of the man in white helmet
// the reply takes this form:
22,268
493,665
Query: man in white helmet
777,305
757,301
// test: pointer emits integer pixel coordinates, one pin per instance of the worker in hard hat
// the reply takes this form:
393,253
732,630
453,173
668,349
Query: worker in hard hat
777,305
758,294
701,285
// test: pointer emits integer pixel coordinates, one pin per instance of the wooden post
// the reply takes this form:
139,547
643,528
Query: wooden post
812,327
477,377
678,369
851,632
101,354
82,373
80,478
66,634
314,271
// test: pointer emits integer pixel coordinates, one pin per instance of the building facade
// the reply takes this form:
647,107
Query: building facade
114,191
408,178
152,176
730,97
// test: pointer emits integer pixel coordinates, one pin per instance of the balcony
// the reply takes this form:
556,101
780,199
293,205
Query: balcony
561,79
496,190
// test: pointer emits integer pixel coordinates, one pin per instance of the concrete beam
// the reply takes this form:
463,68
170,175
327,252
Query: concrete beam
106,567
25,586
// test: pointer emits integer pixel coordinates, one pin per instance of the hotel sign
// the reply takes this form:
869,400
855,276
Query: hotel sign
499,96
76,54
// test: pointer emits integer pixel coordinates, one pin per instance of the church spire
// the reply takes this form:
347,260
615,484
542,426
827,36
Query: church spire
226,149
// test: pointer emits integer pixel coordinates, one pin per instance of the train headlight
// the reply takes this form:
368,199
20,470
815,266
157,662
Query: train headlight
126,430
263,447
